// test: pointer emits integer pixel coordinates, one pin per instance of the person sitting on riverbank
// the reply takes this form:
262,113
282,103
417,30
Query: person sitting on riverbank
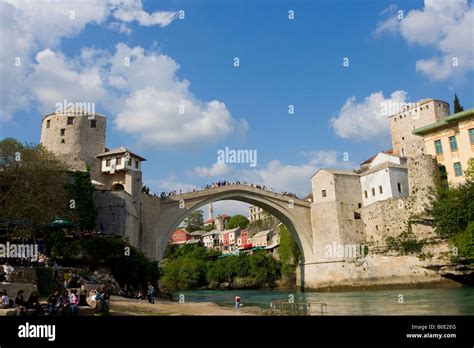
63,303
102,301
52,303
20,303
139,296
33,303
5,300
73,302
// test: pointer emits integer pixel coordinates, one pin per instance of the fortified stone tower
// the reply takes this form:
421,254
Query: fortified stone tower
76,138
423,113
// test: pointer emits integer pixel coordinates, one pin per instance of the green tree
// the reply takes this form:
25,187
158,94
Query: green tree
464,242
469,172
82,192
32,186
457,105
453,208
237,221
290,255
194,221
208,228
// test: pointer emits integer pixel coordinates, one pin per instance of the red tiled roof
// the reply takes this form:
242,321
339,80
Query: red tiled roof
388,152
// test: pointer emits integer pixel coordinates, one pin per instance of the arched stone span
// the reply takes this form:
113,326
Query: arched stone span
293,212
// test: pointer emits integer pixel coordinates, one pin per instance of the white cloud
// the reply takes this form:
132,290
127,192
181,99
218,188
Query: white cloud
367,119
216,169
293,178
227,207
159,108
55,79
30,27
141,88
445,25
132,10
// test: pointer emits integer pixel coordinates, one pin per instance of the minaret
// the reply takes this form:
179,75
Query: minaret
210,211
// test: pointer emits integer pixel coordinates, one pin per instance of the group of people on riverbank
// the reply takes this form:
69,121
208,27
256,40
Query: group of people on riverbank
66,303
31,305
139,294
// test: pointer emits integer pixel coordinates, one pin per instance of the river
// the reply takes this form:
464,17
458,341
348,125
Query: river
450,301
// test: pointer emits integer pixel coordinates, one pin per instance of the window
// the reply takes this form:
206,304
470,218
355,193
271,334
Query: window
63,132
380,189
399,187
457,169
70,120
427,106
359,205
129,162
93,123
119,161
373,192
438,147
356,216
48,122
471,135
323,192
63,141
402,152
136,164
366,195
107,163
453,143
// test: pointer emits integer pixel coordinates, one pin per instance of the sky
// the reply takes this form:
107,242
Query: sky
300,83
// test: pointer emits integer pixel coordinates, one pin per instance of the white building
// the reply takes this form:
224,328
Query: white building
211,239
387,177
255,213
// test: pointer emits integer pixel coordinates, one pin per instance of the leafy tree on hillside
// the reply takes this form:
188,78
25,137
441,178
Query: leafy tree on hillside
289,256
237,221
32,186
194,221
208,228
82,192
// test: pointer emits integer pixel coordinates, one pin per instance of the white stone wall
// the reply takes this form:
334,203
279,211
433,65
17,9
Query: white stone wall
386,178
404,142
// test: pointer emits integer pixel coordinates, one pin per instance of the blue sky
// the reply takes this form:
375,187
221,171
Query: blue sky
190,62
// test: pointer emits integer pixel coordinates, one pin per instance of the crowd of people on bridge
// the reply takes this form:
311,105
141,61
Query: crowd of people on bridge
165,195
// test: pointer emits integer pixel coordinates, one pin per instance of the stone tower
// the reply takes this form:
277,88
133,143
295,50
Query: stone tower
210,211
420,114
76,138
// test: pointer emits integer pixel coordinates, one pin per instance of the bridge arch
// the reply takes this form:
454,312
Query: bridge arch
292,212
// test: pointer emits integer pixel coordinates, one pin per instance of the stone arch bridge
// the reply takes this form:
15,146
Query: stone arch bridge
295,213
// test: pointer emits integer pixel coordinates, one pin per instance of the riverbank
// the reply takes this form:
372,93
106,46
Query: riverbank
126,306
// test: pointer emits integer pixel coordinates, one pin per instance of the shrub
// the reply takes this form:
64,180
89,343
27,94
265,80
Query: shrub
46,283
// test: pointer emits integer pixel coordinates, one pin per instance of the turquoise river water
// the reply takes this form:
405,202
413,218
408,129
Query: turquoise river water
451,301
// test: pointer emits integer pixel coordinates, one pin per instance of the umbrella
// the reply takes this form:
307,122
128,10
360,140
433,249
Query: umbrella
60,222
